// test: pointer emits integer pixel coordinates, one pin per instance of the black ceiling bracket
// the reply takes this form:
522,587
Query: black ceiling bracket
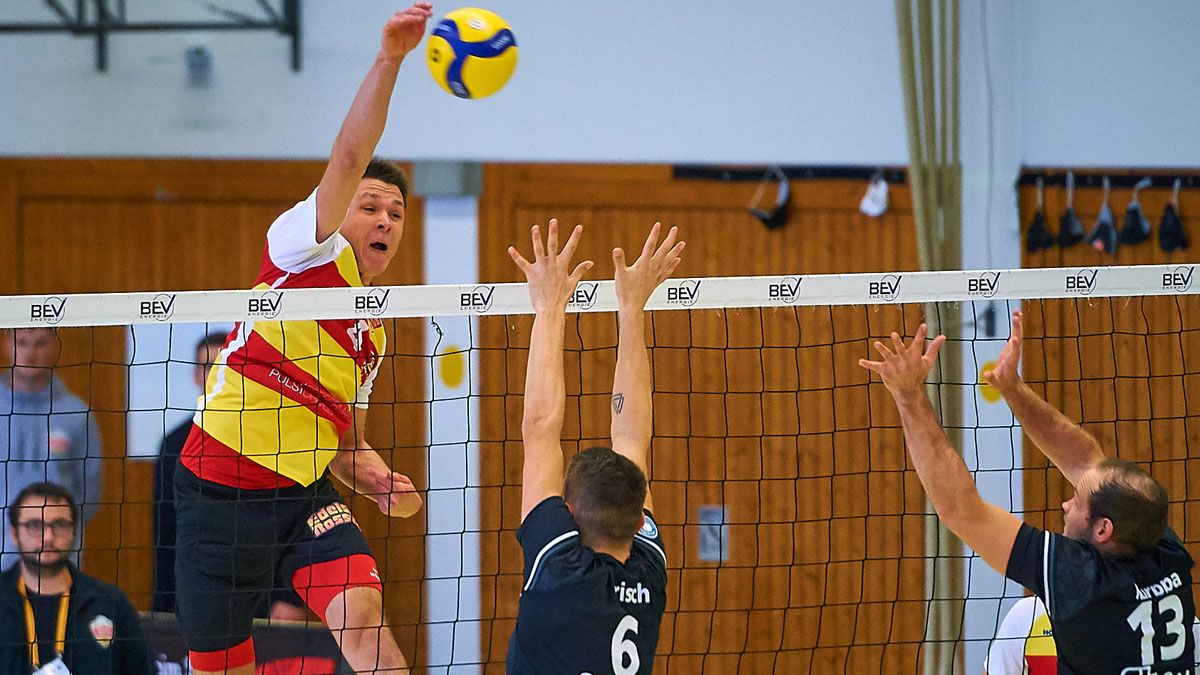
99,19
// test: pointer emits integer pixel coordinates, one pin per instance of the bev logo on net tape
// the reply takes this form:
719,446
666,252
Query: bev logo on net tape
886,288
160,308
786,290
1178,279
50,311
1082,282
584,296
478,299
684,293
266,305
373,302
985,285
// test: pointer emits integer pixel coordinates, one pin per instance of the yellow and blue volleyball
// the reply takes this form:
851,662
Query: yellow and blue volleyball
472,52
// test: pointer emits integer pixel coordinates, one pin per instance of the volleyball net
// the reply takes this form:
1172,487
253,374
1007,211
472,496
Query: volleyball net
798,537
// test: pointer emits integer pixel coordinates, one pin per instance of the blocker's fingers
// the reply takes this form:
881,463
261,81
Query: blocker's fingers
1018,326
651,240
619,258
671,265
870,365
883,351
676,251
552,238
572,242
935,347
580,270
518,258
539,251
918,343
668,244
897,342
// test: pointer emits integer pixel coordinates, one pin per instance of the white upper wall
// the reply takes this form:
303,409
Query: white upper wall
1110,83
1097,83
757,81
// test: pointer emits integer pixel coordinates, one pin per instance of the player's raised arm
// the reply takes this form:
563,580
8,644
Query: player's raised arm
364,124
1063,442
986,528
551,282
632,409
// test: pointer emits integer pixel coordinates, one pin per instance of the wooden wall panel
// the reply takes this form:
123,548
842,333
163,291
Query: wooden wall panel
1123,367
765,411
125,225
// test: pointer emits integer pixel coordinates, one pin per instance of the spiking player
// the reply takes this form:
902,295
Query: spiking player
595,571
1117,584
285,405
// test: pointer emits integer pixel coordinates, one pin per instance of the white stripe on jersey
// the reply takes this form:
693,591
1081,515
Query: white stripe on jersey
639,538
545,549
1046,572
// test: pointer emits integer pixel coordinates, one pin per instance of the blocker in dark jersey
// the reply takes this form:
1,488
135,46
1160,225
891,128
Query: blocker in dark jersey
583,611
1125,616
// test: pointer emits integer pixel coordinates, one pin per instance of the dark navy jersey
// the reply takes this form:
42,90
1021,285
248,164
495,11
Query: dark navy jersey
1125,616
583,611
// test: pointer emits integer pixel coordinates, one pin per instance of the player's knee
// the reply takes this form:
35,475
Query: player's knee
355,617
358,608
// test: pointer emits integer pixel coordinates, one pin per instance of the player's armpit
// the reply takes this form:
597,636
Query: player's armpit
989,530
541,474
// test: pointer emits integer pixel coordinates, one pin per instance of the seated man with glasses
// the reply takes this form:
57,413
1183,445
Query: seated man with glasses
54,619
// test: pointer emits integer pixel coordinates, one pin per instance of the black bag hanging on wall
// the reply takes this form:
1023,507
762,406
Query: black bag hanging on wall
1070,230
1037,237
1103,236
1171,236
1136,227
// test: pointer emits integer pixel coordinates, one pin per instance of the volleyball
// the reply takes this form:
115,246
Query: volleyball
472,52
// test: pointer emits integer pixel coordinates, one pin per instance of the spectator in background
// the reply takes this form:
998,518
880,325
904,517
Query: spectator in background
46,431
284,604
77,622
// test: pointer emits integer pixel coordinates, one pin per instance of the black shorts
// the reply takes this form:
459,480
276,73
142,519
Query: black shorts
233,544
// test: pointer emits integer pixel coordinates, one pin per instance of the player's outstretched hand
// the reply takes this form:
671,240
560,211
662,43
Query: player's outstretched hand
904,368
655,265
403,32
393,492
551,280
1005,374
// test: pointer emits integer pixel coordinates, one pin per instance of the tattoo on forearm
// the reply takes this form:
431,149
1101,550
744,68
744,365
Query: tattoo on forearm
618,403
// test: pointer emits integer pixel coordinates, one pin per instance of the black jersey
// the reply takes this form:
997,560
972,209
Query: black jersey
583,611
1125,616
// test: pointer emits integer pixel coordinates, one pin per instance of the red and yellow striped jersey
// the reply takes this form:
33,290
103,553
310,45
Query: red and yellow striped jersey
282,393
1024,644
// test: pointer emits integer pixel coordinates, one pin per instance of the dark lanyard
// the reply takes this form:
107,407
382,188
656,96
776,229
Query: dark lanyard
60,630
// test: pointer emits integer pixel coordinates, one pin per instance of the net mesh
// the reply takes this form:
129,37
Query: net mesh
796,531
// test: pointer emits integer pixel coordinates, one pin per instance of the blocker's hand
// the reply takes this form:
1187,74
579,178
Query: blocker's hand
655,265
904,368
551,280
1006,373
403,32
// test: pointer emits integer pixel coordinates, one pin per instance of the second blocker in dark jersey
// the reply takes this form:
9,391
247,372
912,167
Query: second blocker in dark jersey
1125,616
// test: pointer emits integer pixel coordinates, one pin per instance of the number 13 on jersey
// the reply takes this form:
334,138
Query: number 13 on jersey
1142,620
